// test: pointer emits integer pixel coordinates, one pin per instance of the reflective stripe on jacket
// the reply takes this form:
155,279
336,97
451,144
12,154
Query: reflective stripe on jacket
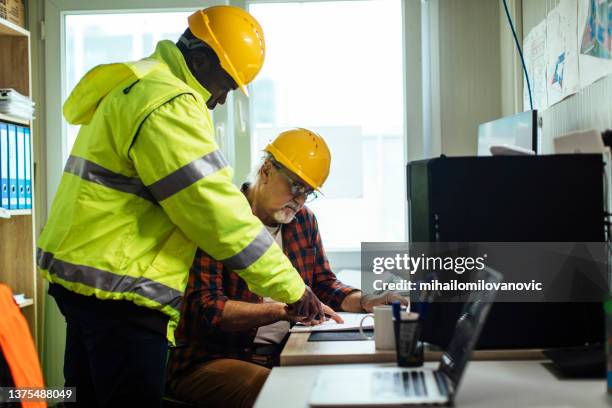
145,184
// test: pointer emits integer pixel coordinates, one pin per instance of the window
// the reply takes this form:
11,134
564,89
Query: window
336,67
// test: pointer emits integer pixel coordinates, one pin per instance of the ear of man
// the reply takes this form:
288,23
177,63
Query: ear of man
199,63
265,171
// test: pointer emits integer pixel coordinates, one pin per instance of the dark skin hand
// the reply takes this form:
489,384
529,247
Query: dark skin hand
238,316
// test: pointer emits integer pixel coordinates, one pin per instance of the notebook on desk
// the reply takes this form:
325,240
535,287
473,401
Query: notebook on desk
399,386
351,322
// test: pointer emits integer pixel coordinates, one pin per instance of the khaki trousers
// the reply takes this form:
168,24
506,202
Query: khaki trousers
221,383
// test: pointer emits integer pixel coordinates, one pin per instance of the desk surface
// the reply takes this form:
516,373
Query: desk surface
487,384
299,351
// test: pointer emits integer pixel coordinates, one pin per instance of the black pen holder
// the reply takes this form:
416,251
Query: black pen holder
409,348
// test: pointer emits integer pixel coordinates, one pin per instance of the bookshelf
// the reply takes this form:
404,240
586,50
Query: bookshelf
17,242
4,213
12,119
26,303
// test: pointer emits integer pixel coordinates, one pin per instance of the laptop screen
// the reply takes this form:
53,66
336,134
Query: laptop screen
468,327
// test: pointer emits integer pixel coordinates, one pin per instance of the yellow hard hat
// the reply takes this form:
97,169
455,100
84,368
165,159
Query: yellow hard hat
235,36
303,152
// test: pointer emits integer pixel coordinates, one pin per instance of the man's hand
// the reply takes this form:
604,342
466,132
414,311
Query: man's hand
293,316
368,302
329,313
309,307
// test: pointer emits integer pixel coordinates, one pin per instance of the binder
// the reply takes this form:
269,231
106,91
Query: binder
4,183
28,169
20,167
12,170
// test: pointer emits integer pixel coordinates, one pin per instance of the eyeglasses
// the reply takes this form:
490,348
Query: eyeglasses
297,189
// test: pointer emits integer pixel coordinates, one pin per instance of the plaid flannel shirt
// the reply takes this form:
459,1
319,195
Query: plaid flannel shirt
211,285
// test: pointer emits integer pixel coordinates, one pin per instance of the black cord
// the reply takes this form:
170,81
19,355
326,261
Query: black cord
518,47
607,223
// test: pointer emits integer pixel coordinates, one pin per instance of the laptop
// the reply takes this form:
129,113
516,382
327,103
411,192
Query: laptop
382,386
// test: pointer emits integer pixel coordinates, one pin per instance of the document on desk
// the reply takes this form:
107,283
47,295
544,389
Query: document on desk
351,322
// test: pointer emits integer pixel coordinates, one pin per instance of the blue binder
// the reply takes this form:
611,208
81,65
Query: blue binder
28,169
21,191
12,162
4,183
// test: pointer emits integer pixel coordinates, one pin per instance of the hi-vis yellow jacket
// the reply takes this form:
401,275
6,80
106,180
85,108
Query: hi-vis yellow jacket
145,184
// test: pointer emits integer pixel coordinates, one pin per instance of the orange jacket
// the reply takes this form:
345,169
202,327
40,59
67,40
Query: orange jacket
17,346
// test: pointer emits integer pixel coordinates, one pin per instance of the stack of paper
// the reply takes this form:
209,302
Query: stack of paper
15,104
351,322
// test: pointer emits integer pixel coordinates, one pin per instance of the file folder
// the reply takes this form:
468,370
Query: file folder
28,169
4,183
21,200
12,170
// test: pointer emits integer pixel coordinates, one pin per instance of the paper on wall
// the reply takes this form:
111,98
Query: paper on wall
562,75
594,40
534,51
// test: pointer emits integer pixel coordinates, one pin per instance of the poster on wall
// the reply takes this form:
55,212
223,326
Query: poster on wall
573,45
552,57
562,75
535,60
594,40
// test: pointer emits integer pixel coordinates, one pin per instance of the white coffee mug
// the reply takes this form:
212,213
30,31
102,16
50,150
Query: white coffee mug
384,336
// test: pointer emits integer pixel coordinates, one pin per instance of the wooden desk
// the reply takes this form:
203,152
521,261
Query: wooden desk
486,384
299,351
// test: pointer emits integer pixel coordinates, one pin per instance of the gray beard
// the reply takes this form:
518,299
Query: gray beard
282,217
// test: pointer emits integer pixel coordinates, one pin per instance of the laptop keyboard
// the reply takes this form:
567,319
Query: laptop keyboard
406,383
441,382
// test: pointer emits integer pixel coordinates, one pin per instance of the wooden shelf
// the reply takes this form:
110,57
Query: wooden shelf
26,303
4,213
8,28
17,228
13,119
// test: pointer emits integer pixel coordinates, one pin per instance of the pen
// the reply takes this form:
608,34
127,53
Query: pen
396,306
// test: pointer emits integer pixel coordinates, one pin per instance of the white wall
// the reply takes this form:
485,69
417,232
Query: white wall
465,72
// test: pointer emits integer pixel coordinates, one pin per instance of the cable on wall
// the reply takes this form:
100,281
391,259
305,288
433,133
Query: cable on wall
520,51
